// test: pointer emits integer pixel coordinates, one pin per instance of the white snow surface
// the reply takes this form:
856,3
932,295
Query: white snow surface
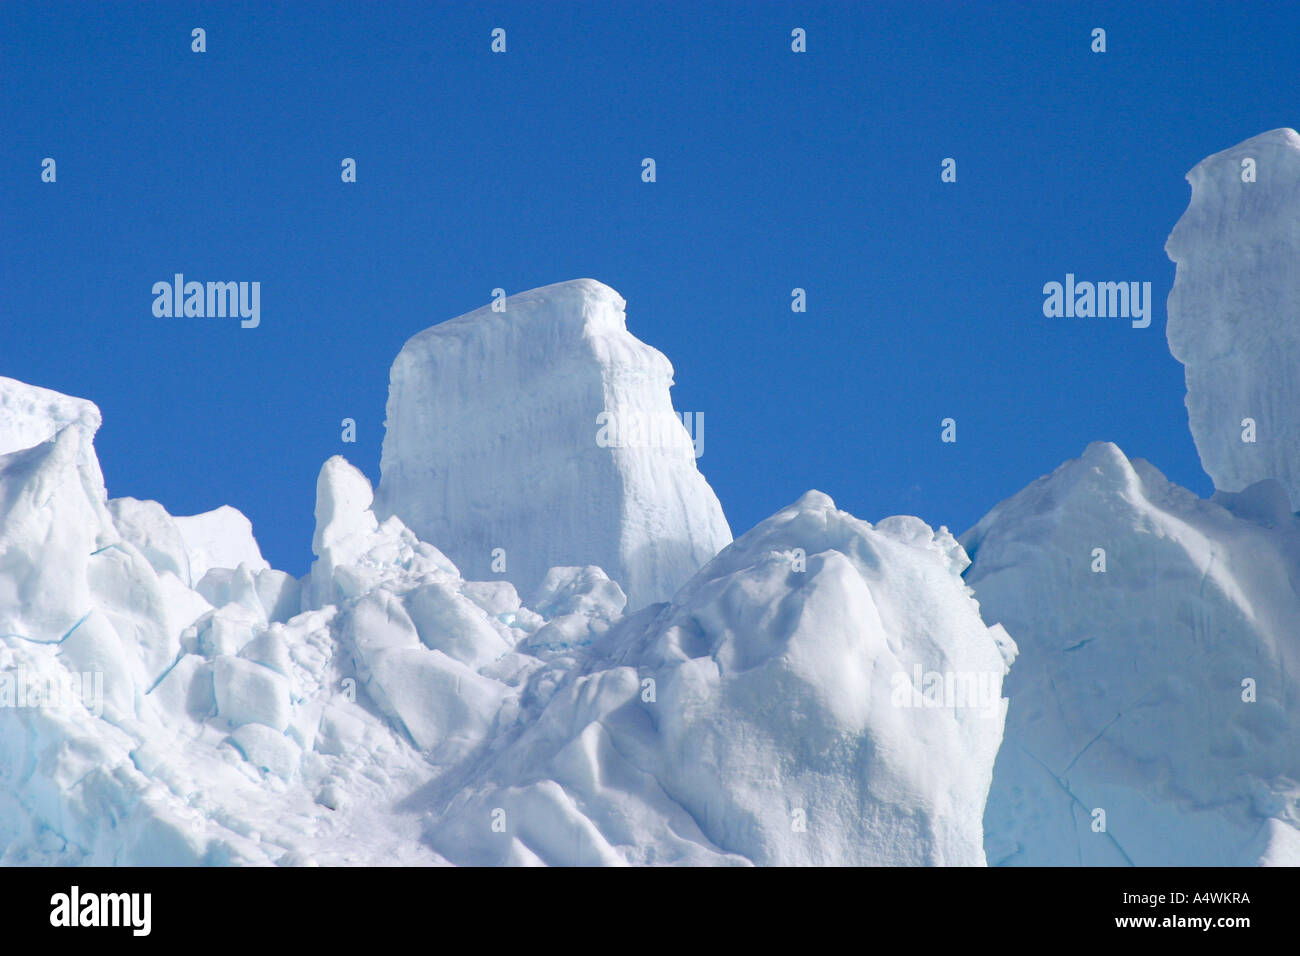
221,538
1234,312
1129,695
387,710
703,731
30,415
492,443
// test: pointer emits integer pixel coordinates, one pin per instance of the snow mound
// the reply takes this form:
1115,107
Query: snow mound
783,711
1156,690
1234,312
495,440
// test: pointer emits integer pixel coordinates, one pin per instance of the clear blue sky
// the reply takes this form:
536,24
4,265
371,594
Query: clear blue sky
476,170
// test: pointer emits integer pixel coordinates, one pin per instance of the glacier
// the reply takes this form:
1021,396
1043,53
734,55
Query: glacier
386,709
531,646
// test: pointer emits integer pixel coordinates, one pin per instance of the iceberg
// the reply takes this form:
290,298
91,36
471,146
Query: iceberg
493,448
537,643
386,709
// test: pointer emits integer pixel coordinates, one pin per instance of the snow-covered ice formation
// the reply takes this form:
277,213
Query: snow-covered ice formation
1157,680
30,415
1234,312
775,713
1152,709
221,538
821,691
545,431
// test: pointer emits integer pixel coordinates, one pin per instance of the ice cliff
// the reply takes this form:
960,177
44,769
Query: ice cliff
1234,312
541,436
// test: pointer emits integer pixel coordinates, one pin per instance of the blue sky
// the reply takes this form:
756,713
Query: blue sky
476,170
